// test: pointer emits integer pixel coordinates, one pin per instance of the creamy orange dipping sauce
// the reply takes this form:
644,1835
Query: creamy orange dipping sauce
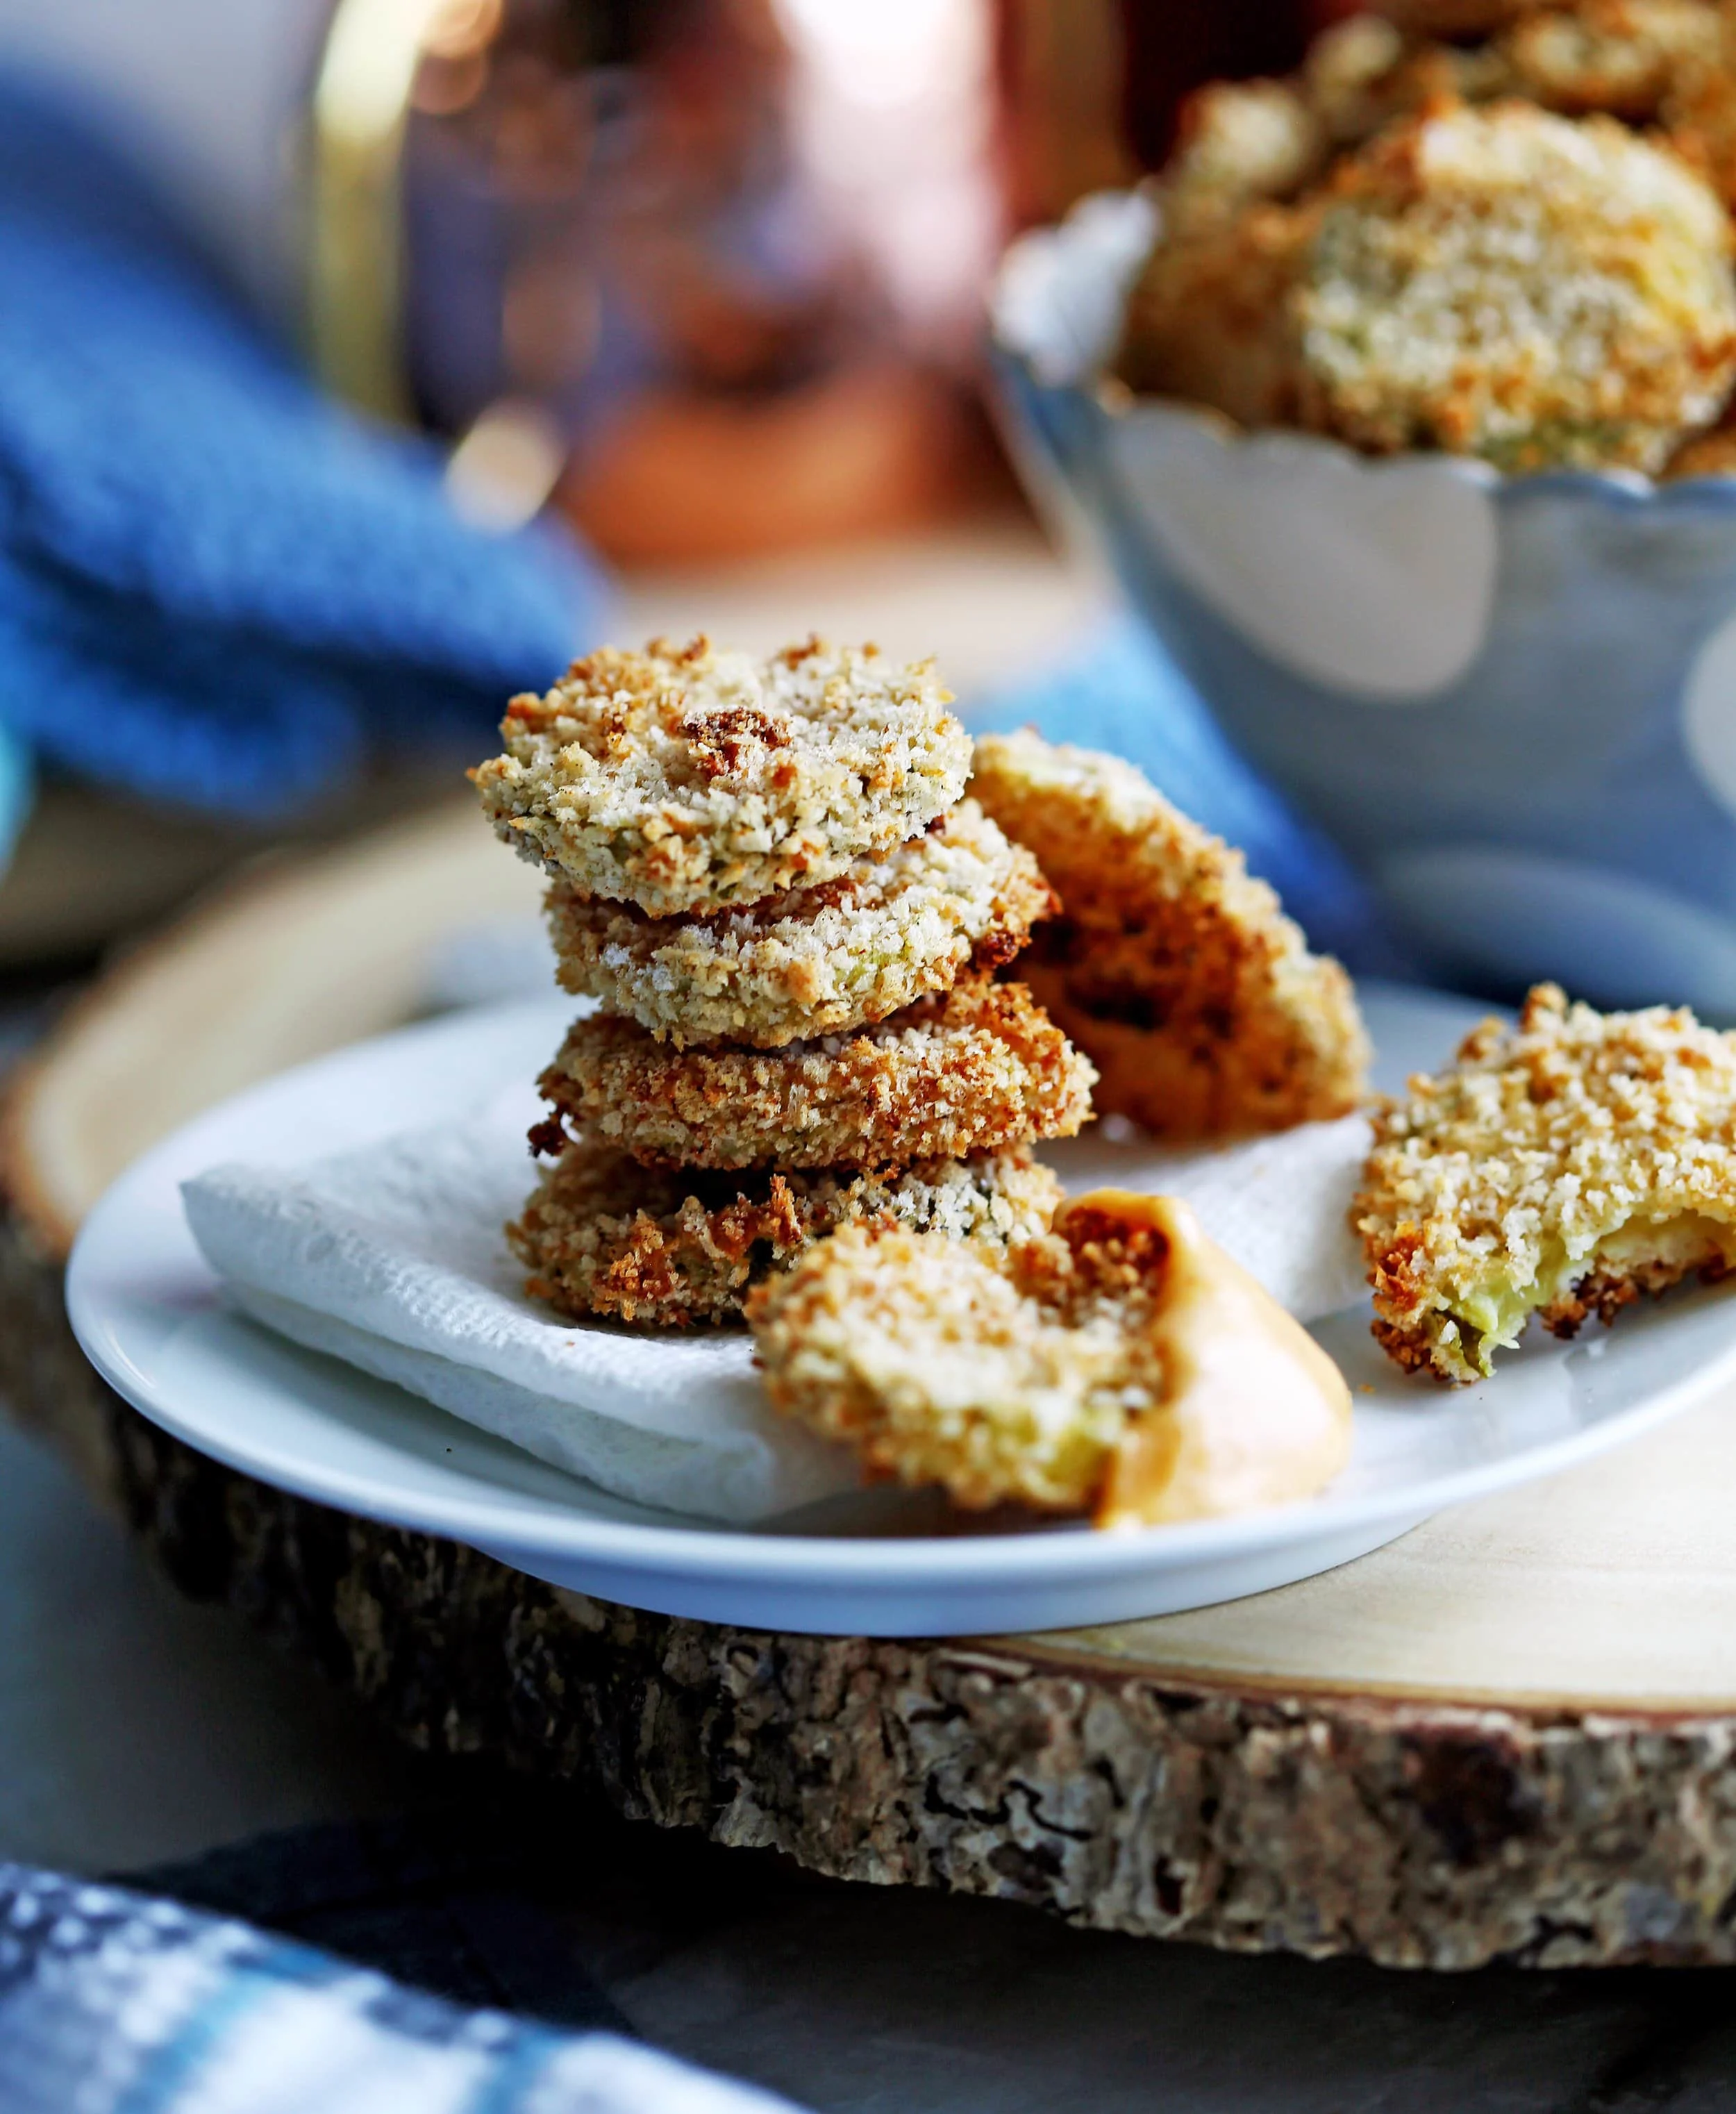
1253,1412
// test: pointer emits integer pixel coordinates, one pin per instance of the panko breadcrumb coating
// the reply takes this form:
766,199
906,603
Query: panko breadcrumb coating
1561,1167
1346,74
1361,73
688,778
815,961
1624,58
1209,319
1534,290
1176,973
978,1069
1121,1366
1241,140
605,1236
1578,55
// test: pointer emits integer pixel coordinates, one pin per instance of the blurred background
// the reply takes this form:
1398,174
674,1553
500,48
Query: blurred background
639,313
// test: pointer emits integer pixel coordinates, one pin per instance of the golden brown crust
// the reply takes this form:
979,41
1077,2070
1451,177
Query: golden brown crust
688,778
975,1070
1240,139
1176,972
1560,1167
815,961
1699,112
604,1236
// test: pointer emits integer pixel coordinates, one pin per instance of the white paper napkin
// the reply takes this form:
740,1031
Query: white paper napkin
391,1257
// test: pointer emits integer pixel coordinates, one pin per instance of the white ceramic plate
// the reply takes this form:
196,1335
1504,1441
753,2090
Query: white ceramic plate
148,1313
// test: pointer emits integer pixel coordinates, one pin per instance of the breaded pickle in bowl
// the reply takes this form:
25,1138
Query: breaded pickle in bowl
604,1236
690,778
1423,473
1623,58
1174,969
892,928
1362,72
1615,56
1242,139
1560,1167
1503,282
1209,319
976,1069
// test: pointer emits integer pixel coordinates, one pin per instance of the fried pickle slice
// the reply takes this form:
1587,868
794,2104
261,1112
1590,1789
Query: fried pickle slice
690,778
1178,975
978,1069
1560,1167
896,926
603,1236
1119,1366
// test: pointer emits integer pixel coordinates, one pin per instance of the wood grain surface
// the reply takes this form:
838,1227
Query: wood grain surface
1509,1734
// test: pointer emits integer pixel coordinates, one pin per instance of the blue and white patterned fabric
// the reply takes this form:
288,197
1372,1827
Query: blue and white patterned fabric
114,2003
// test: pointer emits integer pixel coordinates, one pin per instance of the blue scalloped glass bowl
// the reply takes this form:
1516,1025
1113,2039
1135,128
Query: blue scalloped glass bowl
1512,701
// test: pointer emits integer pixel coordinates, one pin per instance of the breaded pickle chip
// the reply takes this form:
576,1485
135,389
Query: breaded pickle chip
1560,1167
688,778
1178,975
1537,290
1363,72
1121,1366
815,961
1623,58
1209,320
604,1236
1241,140
974,1071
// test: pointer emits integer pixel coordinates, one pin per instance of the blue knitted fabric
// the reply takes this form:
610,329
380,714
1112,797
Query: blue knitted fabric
1120,691
216,588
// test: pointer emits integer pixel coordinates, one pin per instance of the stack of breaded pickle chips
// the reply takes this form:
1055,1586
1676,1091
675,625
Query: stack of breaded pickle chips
766,875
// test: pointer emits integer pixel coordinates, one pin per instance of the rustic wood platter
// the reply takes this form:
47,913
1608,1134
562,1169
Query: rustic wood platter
1511,1734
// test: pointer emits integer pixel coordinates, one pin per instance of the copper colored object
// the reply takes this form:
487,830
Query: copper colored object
625,225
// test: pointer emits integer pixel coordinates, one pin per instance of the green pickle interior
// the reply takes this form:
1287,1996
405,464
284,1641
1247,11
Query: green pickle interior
1492,1317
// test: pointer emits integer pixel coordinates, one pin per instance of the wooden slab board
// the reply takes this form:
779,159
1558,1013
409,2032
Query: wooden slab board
1511,1734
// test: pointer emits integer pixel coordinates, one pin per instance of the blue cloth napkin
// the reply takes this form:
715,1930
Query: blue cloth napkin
216,588
1120,691
113,2003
